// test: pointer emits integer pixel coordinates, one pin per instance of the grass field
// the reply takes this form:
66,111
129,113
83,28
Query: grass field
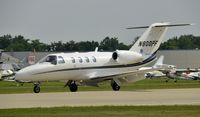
12,87
105,111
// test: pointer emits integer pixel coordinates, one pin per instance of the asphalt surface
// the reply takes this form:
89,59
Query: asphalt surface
189,96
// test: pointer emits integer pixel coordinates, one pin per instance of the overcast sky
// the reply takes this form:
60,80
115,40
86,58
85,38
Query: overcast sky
81,20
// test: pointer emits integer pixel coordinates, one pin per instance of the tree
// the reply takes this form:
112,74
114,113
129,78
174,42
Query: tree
109,44
5,41
182,42
38,46
18,43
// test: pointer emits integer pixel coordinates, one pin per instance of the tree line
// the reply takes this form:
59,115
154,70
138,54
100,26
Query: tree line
19,43
186,42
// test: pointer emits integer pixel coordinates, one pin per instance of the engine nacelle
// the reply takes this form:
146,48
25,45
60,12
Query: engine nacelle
126,57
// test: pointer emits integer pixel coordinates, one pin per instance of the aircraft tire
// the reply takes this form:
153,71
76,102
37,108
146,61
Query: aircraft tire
36,89
73,87
115,86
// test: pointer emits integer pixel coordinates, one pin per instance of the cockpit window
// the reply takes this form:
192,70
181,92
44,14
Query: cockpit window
60,60
51,59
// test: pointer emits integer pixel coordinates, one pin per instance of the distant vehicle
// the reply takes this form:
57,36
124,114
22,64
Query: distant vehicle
90,68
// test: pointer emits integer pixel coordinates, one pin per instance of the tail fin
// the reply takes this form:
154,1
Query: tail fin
151,39
159,61
159,64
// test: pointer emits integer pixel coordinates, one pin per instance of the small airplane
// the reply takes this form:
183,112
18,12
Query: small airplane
166,68
8,67
157,73
183,74
90,68
191,75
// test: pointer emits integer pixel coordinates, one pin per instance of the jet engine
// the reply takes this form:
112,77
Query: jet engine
126,57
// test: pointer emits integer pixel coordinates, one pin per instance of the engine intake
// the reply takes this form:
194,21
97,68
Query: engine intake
126,57
114,55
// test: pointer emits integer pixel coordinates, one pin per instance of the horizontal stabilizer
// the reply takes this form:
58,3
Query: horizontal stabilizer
162,25
138,27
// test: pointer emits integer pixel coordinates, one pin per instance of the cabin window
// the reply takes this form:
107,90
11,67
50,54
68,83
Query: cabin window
80,59
60,60
94,59
87,59
73,59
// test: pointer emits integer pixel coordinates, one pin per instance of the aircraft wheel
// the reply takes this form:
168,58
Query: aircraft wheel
36,89
115,86
73,87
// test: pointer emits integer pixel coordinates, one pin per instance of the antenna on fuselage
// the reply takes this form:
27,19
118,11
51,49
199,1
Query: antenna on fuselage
96,49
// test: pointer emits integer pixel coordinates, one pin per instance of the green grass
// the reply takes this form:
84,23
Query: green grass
105,111
12,87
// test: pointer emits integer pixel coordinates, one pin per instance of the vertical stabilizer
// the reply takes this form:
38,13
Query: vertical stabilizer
160,60
151,39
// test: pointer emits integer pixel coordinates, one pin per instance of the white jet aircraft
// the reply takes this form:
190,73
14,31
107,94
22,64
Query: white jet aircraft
91,68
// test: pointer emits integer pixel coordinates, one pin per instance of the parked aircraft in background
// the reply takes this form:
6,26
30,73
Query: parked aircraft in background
1,70
156,73
166,69
8,67
191,75
183,74
90,68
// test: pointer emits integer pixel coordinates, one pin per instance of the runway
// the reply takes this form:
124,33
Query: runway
189,96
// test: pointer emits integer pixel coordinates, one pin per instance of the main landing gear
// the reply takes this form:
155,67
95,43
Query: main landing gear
114,86
72,86
36,87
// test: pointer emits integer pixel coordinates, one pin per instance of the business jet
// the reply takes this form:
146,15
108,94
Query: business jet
90,68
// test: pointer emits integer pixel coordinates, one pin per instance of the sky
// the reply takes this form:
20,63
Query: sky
82,20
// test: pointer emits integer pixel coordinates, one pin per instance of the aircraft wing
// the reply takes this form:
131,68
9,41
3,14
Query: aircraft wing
121,77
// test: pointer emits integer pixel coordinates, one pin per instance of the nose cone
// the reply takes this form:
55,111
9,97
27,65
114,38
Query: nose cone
20,75
23,75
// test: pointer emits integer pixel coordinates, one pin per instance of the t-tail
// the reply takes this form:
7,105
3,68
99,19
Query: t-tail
148,44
